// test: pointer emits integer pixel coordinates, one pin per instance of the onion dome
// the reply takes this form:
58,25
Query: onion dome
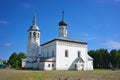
62,22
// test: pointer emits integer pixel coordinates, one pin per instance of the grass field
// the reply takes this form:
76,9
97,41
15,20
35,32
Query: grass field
10,74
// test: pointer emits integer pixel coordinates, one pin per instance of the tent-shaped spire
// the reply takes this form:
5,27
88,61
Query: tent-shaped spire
34,23
34,19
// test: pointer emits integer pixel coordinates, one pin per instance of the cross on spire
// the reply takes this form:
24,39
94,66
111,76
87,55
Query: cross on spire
62,22
34,18
62,15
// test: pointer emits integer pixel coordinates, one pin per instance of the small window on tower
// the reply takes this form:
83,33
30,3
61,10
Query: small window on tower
66,53
30,34
34,34
38,34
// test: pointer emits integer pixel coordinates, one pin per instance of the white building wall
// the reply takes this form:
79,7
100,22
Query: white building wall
65,63
62,62
33,46
48,50
23,63
86,58
33,49
90,65
49,66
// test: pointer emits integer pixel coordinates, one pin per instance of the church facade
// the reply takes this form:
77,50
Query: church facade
61,53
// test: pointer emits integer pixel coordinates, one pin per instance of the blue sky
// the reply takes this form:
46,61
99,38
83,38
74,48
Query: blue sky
94,21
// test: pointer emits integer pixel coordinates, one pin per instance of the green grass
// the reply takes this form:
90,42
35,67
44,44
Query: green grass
98,74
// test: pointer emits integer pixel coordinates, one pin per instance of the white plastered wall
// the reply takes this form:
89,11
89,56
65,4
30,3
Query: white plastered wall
65,63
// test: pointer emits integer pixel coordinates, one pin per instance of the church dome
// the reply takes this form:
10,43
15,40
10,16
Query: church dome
34,27
62,23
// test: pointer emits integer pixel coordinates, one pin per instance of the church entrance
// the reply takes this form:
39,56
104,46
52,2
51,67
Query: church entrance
79,65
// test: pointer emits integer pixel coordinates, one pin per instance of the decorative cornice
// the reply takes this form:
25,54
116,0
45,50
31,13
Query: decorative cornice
64,41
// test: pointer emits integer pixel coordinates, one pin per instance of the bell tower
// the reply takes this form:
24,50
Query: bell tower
33,45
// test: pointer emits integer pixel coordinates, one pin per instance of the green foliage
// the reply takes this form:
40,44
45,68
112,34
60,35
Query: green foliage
104,59
115,58
15,59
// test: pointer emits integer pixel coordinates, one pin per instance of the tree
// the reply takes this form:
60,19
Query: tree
113,58
118,58
15,59
104,58
94,54
101,58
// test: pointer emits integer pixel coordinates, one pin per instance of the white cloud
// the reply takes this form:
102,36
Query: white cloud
4,22
86,37
7,44
85,34
113,44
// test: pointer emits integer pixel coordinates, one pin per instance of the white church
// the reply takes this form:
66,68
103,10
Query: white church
61,53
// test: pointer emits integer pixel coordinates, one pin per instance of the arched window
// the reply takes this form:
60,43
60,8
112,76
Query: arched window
66,53
52,65
34,34
48,65
30,34
38,35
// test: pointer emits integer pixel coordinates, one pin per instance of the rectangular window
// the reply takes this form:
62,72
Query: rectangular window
66,53
79,54
47,54
52,65
48,65
53,53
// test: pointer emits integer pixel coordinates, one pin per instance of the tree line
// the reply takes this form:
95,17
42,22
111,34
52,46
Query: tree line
104,59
